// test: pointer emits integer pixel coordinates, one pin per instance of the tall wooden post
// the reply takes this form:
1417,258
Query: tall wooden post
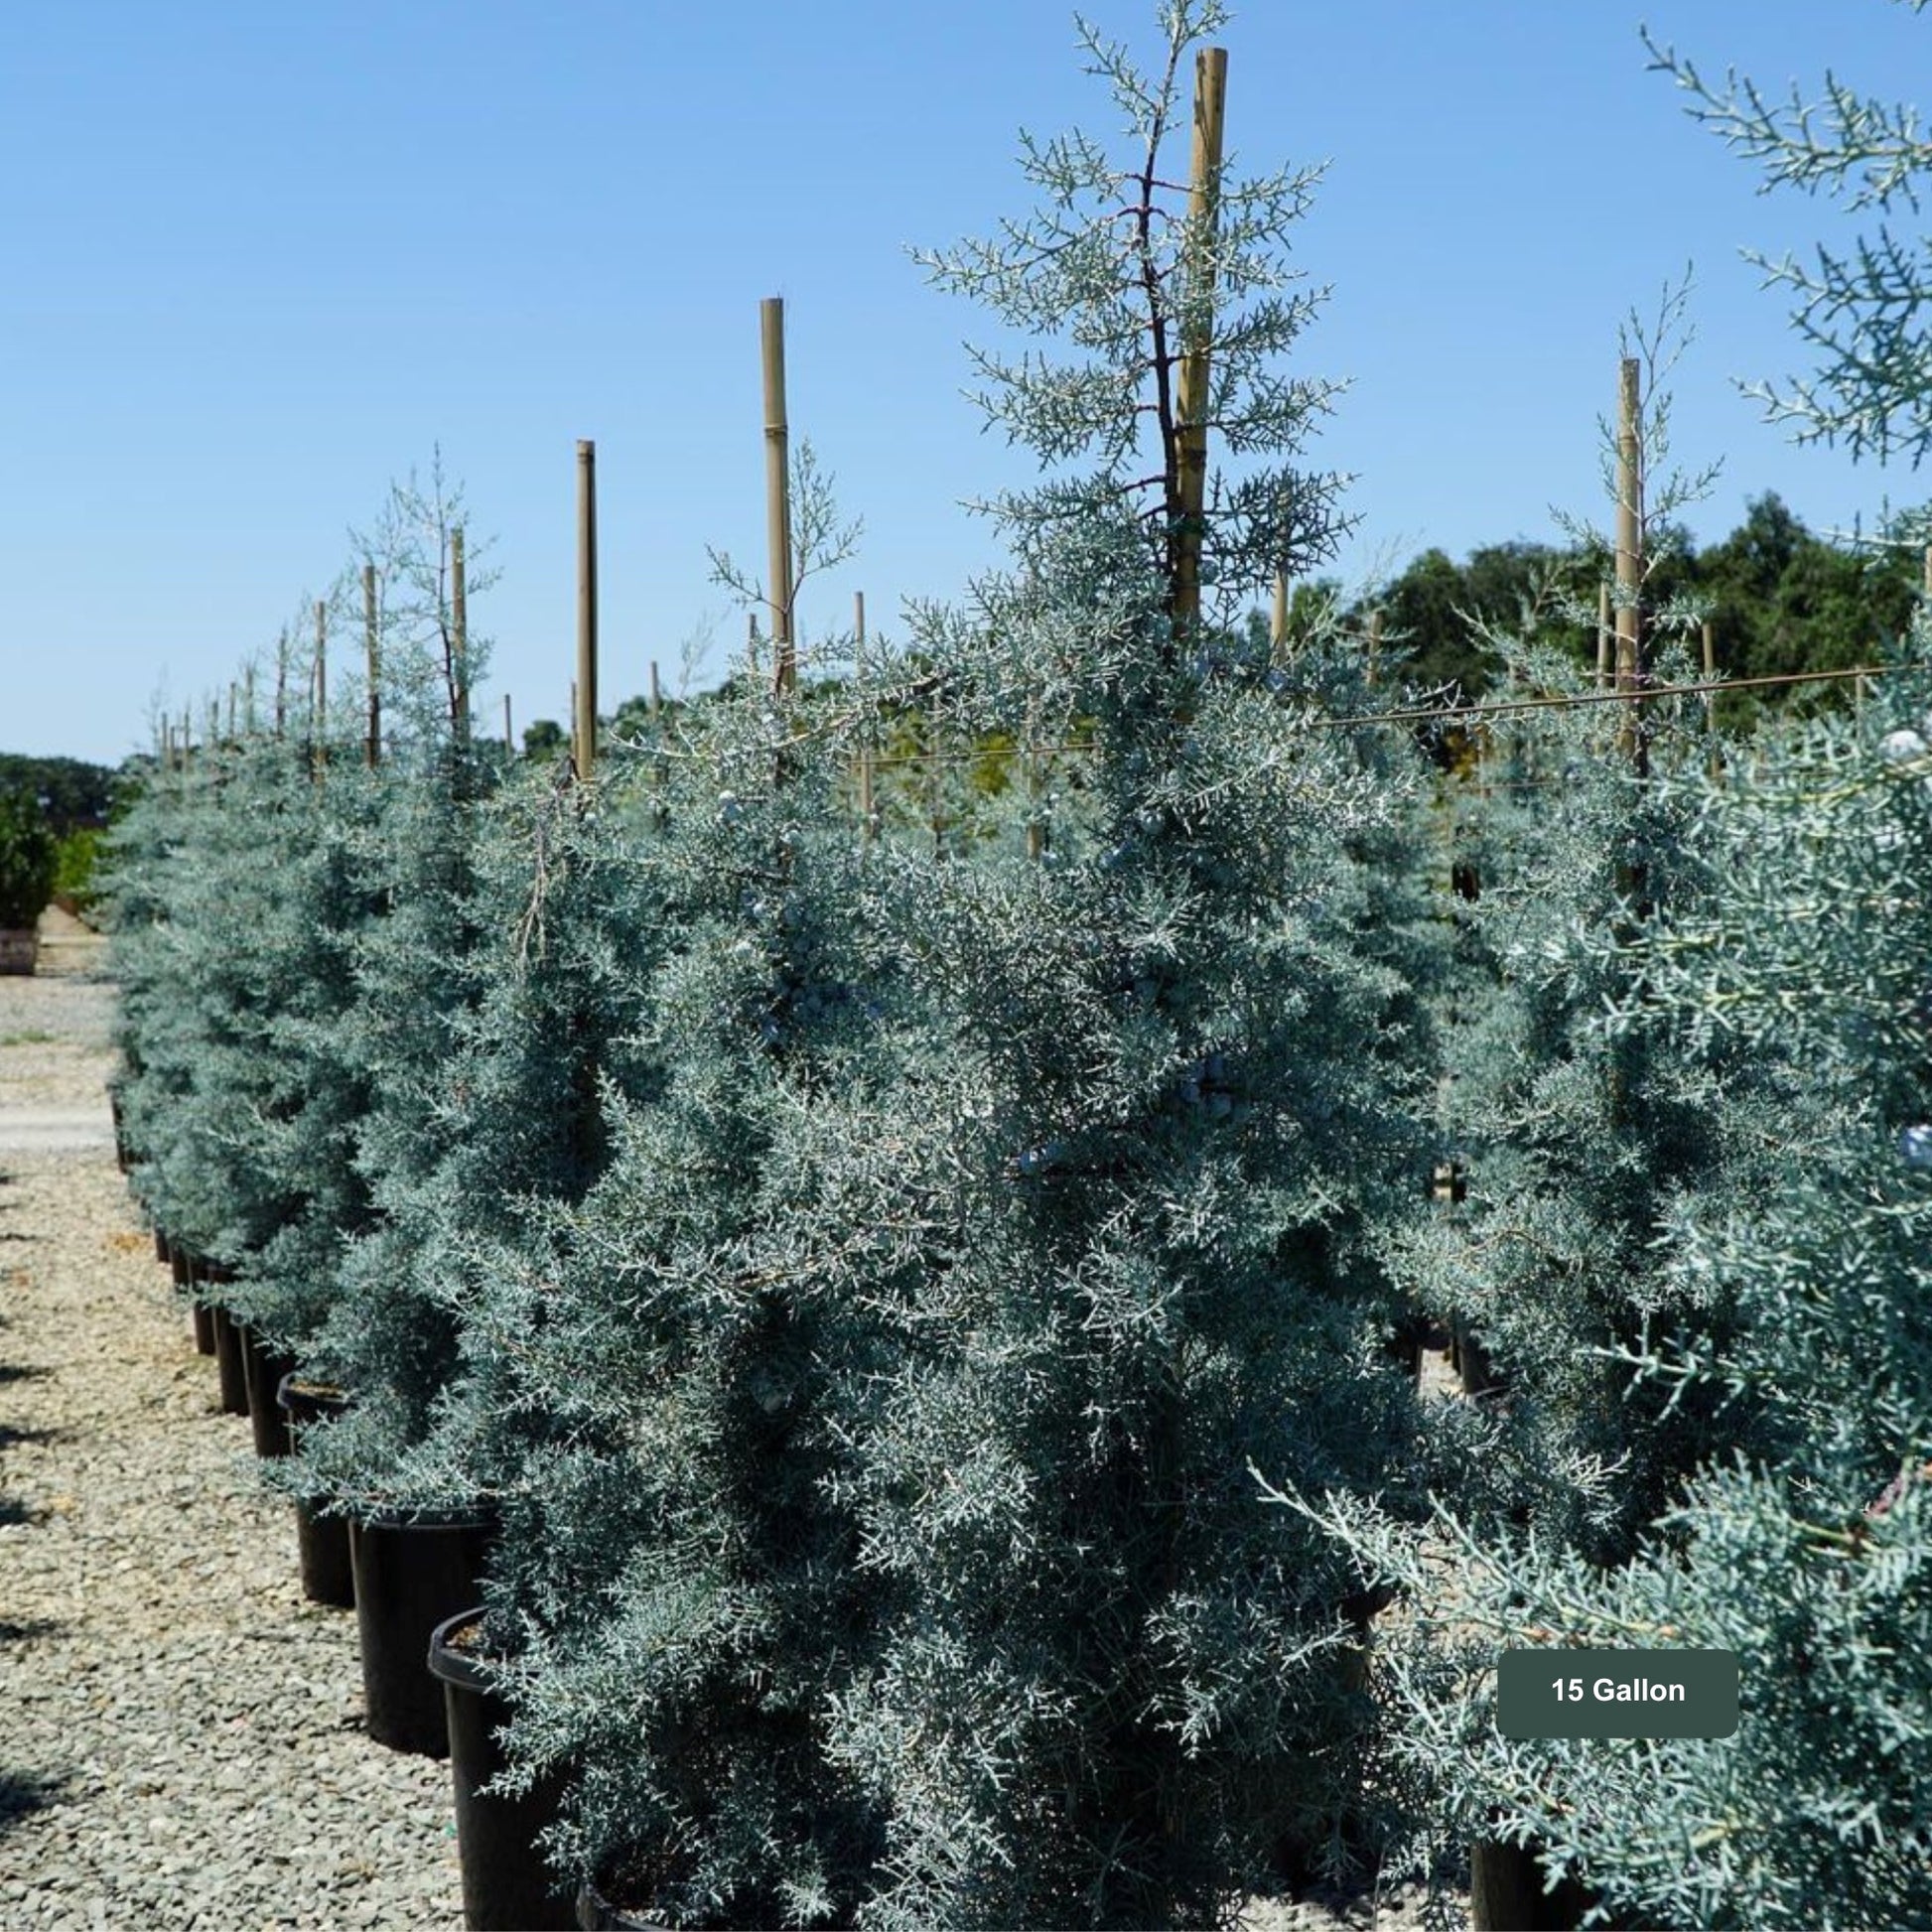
509,739
1633,737
584,698
322,683
372,651
458,639
1191,399
1713,761
778,489
868,756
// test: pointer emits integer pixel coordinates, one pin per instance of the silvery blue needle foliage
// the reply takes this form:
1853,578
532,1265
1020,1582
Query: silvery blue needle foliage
573,918
412,977
679,1590
1807,1552
1583,1139
1180,1101
1863,312
236,950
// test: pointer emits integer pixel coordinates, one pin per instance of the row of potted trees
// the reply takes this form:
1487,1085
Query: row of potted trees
853,1314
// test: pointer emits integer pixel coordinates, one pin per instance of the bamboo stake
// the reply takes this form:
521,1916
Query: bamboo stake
777,488
584,691
460,641
372,649
1632,737
868,754
1036,824
1191,400
322,684
1713,761
1278,629
1604,632
509,741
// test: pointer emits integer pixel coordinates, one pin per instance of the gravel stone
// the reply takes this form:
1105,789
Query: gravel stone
182,1741
183,1744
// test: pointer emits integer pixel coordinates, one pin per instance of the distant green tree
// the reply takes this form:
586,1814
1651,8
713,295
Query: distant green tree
543,737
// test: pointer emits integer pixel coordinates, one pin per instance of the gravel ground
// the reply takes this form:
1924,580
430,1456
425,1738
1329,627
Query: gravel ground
181,1742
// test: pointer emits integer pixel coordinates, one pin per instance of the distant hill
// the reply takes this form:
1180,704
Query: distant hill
77,794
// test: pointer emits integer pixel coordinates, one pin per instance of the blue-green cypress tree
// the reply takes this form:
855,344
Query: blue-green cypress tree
1177,1100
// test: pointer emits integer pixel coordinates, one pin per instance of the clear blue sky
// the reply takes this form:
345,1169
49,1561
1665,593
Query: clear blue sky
260,259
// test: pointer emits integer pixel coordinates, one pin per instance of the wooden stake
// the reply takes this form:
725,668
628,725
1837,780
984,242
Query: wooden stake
460,639
778,489
867,825
1711,698
1632,737
1374,644
1191,400
248,698
372,650
322,683
584,691
1278,630
1604,632
1036,824
509,741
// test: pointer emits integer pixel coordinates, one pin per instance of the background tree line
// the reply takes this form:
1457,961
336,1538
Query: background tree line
1780,600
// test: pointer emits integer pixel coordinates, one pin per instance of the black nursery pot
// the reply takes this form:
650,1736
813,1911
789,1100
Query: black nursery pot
327,1576
595,1913
411,1575
505,1885
162,1252
202,1318
263,1368
230,1344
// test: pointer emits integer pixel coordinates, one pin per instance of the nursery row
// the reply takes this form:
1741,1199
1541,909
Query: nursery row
916,1357
919,1336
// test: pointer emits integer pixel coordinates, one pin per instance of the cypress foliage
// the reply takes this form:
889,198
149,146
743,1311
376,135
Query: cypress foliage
1804,1550
1174,1104
682,1348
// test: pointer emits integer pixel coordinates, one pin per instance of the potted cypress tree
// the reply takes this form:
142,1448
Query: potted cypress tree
1175,1103
29,853
656,1384
1801,1548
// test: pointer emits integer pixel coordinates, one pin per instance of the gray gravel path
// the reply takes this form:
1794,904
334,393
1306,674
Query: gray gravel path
181,1739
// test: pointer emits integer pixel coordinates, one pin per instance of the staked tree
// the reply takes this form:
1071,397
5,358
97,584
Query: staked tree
1175,1101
